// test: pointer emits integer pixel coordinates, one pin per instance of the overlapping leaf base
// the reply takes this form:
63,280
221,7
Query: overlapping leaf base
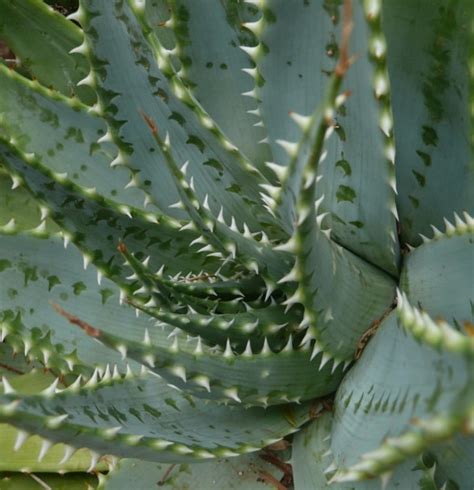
207,209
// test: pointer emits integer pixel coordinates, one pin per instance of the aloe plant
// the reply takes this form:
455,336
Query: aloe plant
228,224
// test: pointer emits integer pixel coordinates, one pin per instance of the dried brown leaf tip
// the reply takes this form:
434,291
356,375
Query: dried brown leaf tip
89,329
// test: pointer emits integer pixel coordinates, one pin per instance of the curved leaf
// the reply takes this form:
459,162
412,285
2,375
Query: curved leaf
144,418
427,51
312,464
42,38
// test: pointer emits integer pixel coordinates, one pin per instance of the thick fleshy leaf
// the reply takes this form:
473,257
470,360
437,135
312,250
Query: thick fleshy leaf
343,295
32,277
14,361
428,47
240,473
453,459
132,88
21,452
312,464
438,276
97,226
380,401
207,40
357,179
42,38
77,481
142,417
19,205
63,134
37,272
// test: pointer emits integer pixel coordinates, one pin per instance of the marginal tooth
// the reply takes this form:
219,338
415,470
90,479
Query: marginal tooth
248,350
149,359
390,153
317,348
126,211
253,72
134,182
424,238
44,212
81,49
77,16
269,201
7,387
10,226
16,181
205,203
86,260
460,225
273,191
93,380
21,437
198,240
28,345
207,248
51,389
289,246
88,80
167,142
106,138
220,216
45,446
450,228
55,421
232,393
386,124
66,238
174,347
266,348
233,225
94,460
146,338
290,147
118,160
110,432
392,182
292,276
336,363
148,200
327,233
255,112
198,349
252,51
393,210
107,376
436,232
188,226
324,360
304,122
289,345
228,353
380,85
179,371
257,26
296,297
68,452
203,381
331,468
250,327
469,220
279,170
